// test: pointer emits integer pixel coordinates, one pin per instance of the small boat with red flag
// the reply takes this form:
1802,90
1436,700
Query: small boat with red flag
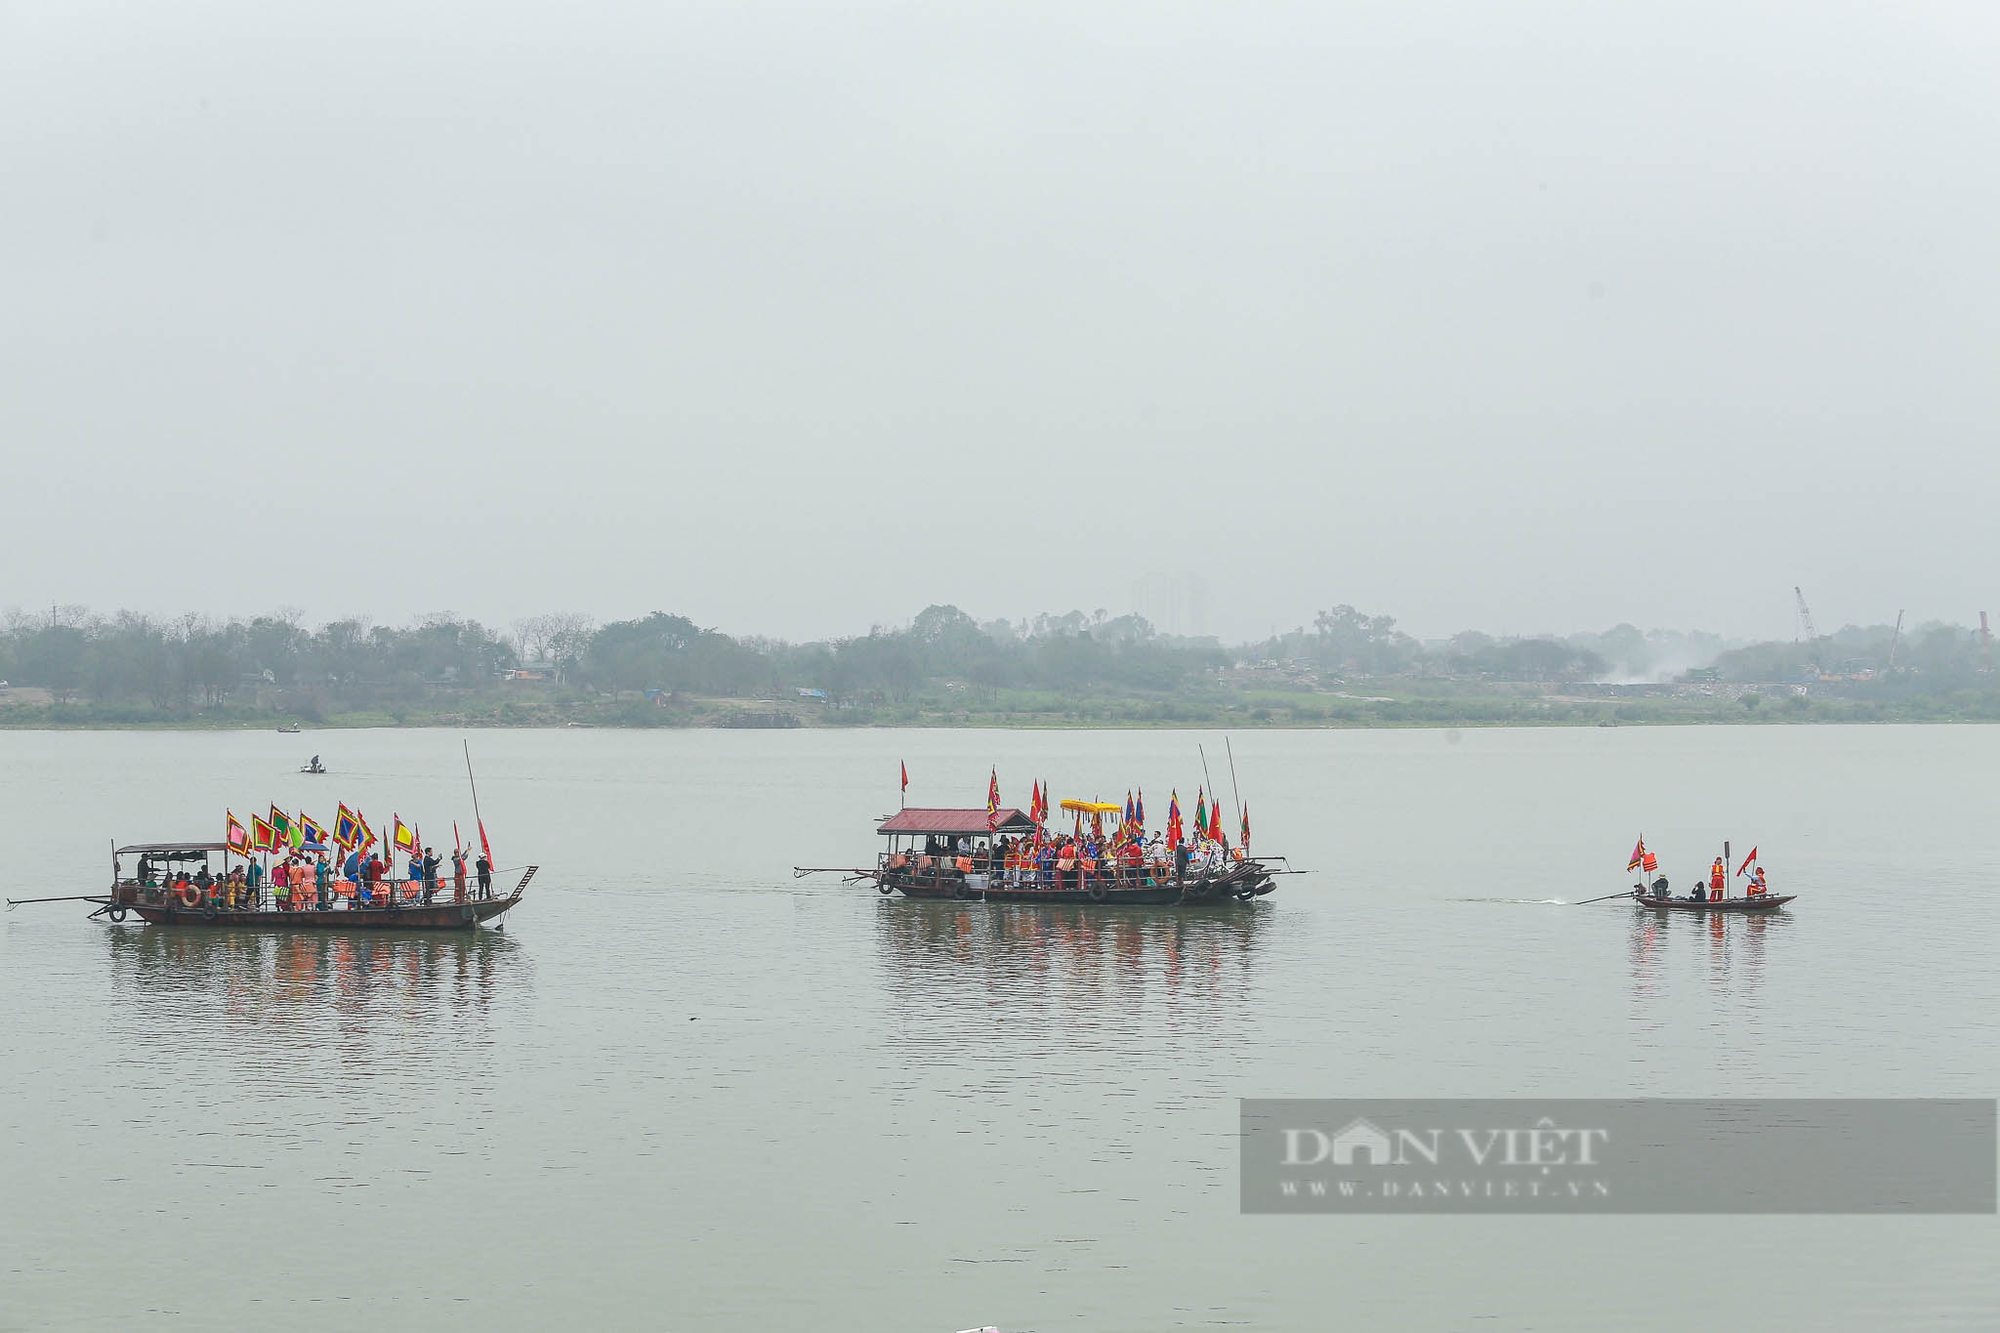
1710,892
1010,855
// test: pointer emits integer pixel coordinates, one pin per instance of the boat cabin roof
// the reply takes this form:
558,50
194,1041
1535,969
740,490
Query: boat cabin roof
172,848
954,823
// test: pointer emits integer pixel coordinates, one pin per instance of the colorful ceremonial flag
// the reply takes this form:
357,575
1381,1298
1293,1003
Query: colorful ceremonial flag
993,802
1746,861
403,838
1245,840
281,827
1139,809
1200,813
234,836
262,836
346,828
1638,855
1173,819
364,837
309,832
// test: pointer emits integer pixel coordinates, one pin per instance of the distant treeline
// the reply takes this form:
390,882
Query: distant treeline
192,665
195,664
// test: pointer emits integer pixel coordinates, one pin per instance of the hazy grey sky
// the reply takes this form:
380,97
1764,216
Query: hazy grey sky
1525,316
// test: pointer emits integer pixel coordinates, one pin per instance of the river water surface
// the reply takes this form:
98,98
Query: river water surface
685,1091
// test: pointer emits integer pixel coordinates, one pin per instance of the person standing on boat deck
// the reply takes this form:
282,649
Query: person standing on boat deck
458,874
253,881
323,882
1718,878
485,876
430,867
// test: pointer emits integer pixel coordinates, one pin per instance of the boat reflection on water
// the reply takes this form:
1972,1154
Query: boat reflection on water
305,982
1731,945
1078,958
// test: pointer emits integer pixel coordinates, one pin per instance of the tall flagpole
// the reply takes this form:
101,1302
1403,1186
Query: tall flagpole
1236,791
469,782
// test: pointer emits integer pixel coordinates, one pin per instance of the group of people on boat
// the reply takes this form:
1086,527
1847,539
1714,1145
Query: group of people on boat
1062,861
308,881
1715,887
373,883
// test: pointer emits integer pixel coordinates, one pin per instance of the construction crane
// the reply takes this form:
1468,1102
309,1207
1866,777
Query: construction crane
1894,638
1805,618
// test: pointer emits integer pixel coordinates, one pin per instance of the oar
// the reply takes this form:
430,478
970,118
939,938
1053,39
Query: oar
1607,897
70,898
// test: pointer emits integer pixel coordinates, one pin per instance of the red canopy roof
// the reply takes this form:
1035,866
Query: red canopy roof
955,823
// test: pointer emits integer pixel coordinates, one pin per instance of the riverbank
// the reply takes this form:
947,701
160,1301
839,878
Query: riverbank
1385,704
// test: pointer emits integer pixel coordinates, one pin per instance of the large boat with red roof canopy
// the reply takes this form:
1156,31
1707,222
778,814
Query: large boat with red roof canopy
1006,855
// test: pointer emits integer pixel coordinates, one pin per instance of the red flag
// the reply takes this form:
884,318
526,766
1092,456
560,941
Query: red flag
1746,861
906,776
1035,799
1215,824
485,846
1173,819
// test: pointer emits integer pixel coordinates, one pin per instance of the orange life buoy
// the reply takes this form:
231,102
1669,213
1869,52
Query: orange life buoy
189,895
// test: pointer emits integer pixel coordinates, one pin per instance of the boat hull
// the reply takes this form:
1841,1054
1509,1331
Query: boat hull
415,916
1239,884
1767,903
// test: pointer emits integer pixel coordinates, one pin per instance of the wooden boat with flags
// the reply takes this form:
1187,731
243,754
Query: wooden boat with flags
1769,902
147,893
324,878
1005,855
1710,894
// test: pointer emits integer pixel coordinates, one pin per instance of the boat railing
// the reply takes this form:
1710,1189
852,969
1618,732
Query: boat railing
1078,872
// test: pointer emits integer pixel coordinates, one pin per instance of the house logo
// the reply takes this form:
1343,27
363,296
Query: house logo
1543,1147
1362,1143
